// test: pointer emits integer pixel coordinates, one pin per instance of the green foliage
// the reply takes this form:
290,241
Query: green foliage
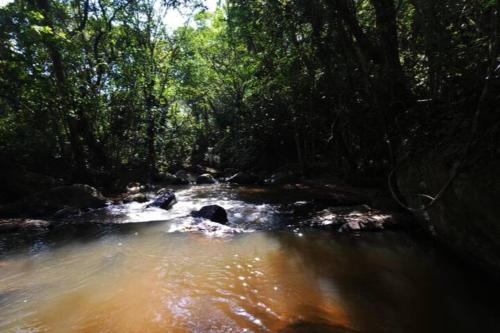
102,86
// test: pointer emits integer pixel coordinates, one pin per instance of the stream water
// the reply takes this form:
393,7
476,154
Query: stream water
253,276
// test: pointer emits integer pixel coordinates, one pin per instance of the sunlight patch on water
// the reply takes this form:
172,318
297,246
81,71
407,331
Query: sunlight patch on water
156,282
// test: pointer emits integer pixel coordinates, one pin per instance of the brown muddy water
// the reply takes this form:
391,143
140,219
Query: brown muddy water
253,276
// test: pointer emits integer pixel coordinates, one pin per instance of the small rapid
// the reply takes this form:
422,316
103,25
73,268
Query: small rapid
243,216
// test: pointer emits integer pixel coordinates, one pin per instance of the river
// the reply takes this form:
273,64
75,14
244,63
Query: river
253,276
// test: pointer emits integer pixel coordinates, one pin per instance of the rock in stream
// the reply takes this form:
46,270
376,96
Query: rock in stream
213,213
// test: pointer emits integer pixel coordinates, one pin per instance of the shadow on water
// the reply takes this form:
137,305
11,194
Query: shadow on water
62,235
389,282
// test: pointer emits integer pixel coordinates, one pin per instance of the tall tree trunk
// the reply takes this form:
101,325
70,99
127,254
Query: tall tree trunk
435,40
151,133
77,147
385,15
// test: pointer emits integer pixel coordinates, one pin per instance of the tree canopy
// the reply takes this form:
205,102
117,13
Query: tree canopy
93,88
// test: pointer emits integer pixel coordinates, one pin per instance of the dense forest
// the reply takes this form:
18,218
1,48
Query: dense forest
92,89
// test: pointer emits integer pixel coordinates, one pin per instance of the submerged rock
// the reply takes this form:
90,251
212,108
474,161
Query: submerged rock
213,213
205,179
164,201
243,178
46,203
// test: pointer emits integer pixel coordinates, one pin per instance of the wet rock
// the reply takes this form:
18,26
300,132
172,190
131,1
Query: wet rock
164,201
213,213
205,179
358,218
135,187
243,178
47,203
138,197
163,191
14,225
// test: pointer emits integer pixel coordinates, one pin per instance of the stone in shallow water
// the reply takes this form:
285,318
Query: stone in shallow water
356,218
213,213
165,200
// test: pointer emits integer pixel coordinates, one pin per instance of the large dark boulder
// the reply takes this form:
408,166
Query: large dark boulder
165,200
243,178
47,203
205,179
213,213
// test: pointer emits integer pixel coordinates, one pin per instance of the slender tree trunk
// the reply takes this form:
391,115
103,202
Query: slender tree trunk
385,15
77,148
151,134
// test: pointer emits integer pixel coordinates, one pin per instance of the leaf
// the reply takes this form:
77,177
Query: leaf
43,29
36,15
62,35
